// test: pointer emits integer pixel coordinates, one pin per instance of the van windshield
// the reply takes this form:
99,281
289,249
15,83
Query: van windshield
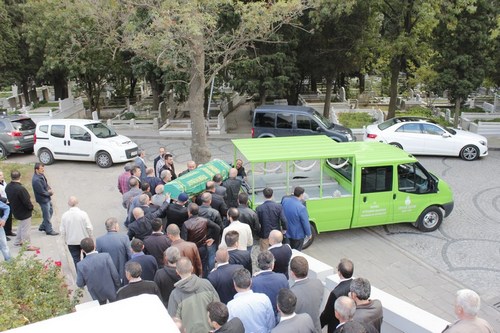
101,130
323,120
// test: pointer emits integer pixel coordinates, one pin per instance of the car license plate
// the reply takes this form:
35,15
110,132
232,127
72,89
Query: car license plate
134,153
28,137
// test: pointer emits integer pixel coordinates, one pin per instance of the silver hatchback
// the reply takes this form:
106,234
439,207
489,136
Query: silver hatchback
16,135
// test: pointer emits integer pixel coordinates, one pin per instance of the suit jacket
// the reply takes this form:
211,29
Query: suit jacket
232,326
222,280
176,214
241,257
300,323
118,247
269,283
98,273
309,294
233,186
155,245
140,163
328,315
282,255
148,265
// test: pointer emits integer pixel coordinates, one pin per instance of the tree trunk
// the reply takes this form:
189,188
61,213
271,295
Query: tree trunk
133,83
199,149
456,117
155,89
395,66
60,86
314,85
26,93
361,78
328,97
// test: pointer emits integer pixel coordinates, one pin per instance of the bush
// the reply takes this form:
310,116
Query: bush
128,115
355,119
32,290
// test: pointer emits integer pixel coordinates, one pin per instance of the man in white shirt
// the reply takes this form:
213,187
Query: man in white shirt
75,226
243,229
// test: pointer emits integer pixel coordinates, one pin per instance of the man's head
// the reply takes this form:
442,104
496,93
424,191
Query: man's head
206,198
191,165
360,289
243,198
141,153
171,256
87,244
275,237
136,171
111,224
184,267
143,200
146,187
242,280
233,172
15,175
173,231
193,209
344,308
467,304
268,193
210,186
265,260
233,214
39,168
217,178
169,159
156,224
286,301
182,198
72,201
345,268
159,189
353,327
166,176
127,167
138,212
218,314
162,151
137,245
232,238
298,192
222,256
299,267
133,182
239,163
133,270
150,172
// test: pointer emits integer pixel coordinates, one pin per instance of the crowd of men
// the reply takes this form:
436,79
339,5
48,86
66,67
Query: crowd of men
195,254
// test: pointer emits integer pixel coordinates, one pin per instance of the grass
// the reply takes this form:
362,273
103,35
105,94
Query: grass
26,171
355,119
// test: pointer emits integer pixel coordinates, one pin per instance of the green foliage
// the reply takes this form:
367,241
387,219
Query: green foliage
420,111
355,119
32,290
129,115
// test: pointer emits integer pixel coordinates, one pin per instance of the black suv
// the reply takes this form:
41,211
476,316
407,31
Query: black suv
16,135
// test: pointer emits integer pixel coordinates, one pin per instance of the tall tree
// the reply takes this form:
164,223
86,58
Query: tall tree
464,48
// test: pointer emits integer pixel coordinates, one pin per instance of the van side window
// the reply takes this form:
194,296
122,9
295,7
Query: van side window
265,119
78,133
304,122
412,179
57,131
44,128
284,120
376,179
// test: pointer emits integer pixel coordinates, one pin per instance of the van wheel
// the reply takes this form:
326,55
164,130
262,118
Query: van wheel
430,219
469,153
397,145
310,240
103,159
45,156
3,152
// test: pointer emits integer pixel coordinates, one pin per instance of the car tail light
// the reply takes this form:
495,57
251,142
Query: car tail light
253,132
15,134
371,136
34,138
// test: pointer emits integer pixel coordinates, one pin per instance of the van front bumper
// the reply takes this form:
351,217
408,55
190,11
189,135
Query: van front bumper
448,208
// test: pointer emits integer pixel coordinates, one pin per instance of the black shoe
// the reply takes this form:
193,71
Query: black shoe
52,233
41,229
13,234
8,239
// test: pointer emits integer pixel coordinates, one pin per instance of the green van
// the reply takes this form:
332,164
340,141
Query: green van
349,185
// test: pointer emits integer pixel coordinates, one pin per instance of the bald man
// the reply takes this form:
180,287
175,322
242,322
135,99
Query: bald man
75,226
282,252
233,186
222,276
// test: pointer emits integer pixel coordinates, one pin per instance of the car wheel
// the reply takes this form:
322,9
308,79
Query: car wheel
310,240
45,156
397,145
430,219
3,152
469,153
103,159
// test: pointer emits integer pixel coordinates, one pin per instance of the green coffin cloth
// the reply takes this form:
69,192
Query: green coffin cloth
194,181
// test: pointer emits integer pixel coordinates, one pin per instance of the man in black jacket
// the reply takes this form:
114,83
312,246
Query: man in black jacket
218,315
22,209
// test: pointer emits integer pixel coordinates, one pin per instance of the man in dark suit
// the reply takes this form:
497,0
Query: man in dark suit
233,187
157,159
177,211
116,244
136,286
309,291
282,252
289,320
156,243
345,269
241,257
167,277
217,202
222,276
148,262
98,273
141,163
217,318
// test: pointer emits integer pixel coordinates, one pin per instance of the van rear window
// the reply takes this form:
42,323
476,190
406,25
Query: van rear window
265,119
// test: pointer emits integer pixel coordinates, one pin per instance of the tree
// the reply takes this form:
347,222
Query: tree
464,49
188,36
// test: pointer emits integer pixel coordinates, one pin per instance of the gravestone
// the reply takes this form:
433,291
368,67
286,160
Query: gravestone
412,93
342,94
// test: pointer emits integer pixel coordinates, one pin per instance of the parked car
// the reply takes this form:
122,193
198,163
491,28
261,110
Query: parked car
290,120
422,136
16,135
81,140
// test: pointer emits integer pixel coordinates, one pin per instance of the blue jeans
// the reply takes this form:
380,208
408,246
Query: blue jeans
3,245
47,212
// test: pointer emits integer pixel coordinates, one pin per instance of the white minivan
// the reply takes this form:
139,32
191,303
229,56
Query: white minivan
81,140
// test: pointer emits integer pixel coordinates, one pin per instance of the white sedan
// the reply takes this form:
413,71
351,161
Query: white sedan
421,136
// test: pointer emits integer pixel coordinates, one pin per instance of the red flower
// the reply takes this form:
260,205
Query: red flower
37,252
57,263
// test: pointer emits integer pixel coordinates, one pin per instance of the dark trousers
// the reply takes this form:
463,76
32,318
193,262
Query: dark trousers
75,251
204,260
296,243
8,225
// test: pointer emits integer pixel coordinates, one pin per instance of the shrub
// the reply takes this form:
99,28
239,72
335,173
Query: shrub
355,119
32,290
